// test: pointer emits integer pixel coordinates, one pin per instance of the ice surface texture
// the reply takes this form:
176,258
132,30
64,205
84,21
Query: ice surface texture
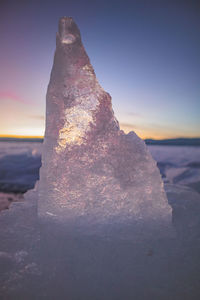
90,168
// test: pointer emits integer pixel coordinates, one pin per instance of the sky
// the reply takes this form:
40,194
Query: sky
145,53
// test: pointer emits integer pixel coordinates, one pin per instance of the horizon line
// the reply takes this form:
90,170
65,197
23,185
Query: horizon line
42,137
21,136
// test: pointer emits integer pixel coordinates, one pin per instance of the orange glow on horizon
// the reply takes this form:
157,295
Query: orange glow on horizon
157,133
42,137
21,136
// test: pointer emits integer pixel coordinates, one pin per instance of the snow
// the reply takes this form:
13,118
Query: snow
74,263
177,164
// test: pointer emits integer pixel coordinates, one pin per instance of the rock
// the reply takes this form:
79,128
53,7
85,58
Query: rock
91,170
7,199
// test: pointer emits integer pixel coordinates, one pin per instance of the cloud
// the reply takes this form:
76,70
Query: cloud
129,126
38,117
133,114
11,96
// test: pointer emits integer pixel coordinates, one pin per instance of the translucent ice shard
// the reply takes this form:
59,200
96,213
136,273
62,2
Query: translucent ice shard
90,168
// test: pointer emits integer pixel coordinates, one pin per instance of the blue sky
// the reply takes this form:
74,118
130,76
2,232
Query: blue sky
145,54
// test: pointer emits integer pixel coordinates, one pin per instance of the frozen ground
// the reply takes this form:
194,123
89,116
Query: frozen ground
20,163
122,262
178,164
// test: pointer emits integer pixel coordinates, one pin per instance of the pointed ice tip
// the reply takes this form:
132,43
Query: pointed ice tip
68,30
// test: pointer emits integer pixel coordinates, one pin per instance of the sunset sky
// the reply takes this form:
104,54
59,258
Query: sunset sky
145,54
